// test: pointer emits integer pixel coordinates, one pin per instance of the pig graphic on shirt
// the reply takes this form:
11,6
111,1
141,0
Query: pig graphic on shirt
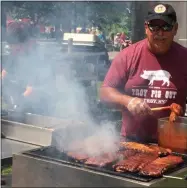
159,75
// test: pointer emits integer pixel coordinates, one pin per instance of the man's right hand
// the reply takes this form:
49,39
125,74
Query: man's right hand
138,106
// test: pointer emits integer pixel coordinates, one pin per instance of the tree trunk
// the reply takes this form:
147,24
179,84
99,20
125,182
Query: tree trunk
139,11
3,23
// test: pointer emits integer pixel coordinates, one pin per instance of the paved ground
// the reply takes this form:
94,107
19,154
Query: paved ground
8,181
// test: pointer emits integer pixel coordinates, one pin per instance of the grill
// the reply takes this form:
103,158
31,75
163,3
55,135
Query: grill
48,167
52,154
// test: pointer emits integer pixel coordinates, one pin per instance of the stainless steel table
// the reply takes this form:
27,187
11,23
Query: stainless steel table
10,147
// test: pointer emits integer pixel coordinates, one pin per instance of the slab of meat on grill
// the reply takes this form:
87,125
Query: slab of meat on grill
78,156
102,160
125,154
143,148
160,150
134,163
157,167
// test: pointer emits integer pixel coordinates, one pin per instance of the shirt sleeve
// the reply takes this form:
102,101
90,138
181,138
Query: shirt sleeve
117,74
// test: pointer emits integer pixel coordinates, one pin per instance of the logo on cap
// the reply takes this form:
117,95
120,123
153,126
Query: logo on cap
160,9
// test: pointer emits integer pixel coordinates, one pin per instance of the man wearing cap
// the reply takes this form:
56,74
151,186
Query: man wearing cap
150,73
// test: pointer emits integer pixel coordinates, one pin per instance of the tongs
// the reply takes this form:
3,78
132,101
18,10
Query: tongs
172,108
161,108
176,108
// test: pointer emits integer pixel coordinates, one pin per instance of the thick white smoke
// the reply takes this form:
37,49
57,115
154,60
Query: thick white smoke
53,78
73,104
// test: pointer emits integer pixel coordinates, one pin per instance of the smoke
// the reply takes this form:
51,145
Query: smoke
71,94
88,137
104,140
57,91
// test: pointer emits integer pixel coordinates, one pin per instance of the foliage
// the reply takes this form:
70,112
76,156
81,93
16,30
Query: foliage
6,170
29,9
111,16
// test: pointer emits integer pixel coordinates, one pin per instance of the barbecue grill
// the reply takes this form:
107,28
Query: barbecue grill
48,166
32,128
43,130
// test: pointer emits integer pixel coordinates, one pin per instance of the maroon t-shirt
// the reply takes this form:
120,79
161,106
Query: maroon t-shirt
160,80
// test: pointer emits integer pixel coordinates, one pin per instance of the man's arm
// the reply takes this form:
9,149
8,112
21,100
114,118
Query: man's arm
117,77
112,95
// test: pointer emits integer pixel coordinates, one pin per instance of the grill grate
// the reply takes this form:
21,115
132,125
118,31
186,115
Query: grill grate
52,154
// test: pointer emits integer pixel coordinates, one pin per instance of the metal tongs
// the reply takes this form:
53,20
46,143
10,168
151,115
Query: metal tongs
175,109
161,108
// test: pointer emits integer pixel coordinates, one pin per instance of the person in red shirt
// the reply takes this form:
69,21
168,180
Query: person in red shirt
150,73
22,76
21,44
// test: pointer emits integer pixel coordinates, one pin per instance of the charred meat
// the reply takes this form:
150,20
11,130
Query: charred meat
136,146
125,154
157,167
78,156
143,148
134,163
102,160
160,150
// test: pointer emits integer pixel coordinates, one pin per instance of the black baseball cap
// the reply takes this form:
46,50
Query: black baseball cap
163,12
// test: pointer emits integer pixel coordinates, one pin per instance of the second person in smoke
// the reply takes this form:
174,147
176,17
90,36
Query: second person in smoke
22,73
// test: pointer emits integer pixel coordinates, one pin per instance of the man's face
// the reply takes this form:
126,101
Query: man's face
160,35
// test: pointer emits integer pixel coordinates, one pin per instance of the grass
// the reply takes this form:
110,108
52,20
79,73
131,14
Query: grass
6,170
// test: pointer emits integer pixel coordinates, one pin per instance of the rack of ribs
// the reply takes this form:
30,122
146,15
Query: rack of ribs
160,150
125,154
136,146
102,160
142,148
157,167
78,156
134,163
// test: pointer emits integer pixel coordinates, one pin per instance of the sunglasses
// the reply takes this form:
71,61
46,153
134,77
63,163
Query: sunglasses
155,28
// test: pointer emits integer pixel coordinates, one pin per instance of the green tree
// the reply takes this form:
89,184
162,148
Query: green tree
111,16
